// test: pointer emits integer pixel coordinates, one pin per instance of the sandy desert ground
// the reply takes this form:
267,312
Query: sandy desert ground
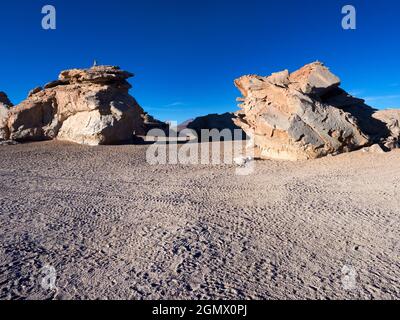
114,227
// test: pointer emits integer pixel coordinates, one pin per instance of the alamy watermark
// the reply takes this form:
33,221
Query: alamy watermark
349,21
207,147
349,278
48,277
49,21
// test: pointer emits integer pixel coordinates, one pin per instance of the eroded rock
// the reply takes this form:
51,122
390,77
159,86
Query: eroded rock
305,115
86,106
391,118
314,79
5,105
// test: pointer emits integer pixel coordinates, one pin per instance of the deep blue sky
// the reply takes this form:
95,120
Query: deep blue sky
186,53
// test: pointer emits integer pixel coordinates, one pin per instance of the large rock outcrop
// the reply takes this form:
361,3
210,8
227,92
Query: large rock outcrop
86,106
305,115
5,105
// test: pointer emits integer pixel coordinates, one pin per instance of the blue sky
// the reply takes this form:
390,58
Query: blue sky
186,53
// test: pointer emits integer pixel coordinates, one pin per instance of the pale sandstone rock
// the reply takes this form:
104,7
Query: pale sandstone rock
86,106
35,118
307,116
4,114
98,74
5,105
279,78
314,78
391,118
94,128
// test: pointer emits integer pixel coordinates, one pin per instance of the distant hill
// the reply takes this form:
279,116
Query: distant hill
212,121
184,125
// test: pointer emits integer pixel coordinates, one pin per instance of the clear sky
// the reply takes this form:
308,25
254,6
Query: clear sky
186,53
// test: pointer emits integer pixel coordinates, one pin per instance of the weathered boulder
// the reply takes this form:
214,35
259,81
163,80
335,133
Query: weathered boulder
97,74
5,105
35,118
391,118
305,115
86,106
314,78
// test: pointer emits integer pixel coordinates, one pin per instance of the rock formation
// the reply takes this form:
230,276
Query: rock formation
305,115
5,105
86,106
391,118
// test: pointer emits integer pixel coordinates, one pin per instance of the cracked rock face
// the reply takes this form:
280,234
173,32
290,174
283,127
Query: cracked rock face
305,115
86,106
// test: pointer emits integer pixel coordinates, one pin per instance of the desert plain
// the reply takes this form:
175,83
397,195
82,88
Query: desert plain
115,227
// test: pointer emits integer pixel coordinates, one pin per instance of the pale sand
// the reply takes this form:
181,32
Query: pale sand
114,227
